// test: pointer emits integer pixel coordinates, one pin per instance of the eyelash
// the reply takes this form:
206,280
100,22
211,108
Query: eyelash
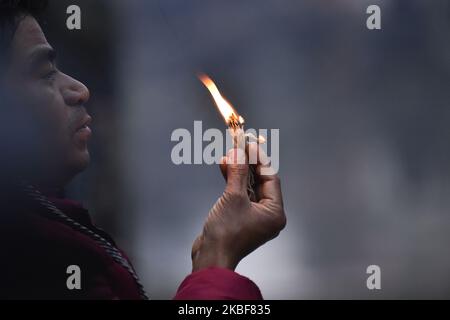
51,75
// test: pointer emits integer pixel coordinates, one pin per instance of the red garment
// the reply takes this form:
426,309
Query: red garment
217,284
39,250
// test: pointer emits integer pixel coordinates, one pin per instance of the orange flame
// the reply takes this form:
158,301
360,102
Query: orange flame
231,117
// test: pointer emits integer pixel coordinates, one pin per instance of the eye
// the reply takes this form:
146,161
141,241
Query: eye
50,76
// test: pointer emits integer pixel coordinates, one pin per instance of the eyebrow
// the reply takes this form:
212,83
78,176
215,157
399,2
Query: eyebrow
42,55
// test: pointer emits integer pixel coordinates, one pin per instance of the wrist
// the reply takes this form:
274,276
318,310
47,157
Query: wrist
212,258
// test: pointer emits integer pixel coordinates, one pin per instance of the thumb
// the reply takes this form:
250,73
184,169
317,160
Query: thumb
237,171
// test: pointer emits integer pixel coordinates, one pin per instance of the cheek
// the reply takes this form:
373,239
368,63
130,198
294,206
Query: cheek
50,111
43,96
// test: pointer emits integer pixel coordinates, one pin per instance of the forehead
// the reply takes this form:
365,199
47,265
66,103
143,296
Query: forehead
27,38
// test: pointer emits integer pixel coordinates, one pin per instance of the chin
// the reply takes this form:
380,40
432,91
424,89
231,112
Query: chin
79,161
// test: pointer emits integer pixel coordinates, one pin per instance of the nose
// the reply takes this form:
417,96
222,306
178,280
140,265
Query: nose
75,93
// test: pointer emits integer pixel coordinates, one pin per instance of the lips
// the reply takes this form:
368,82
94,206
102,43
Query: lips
83,132
85,124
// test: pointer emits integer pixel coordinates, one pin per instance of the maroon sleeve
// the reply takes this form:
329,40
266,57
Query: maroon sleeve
217,284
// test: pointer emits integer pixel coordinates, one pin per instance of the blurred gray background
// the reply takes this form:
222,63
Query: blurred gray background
364,134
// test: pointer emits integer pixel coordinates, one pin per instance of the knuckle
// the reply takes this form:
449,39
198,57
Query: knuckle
276,234
277,180
238,169
280,221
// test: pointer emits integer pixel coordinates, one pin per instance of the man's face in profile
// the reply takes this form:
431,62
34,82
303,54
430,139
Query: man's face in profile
56,100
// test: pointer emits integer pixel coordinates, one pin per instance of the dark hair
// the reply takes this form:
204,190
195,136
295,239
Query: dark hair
10,13
12,158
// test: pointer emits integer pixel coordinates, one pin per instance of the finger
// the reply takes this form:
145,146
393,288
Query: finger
270,189
223,167
256,155
237,171
268,181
